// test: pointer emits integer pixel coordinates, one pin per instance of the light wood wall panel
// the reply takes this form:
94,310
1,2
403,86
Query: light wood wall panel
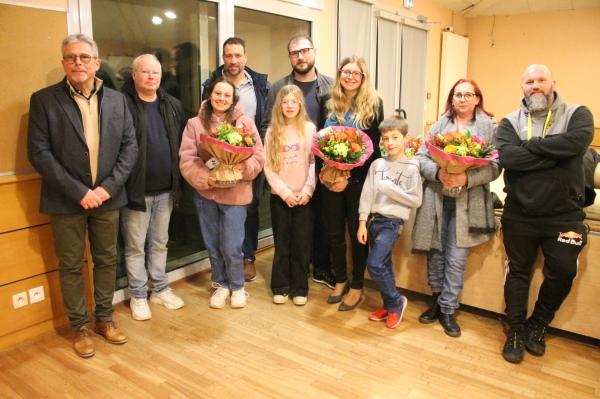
484,281
30,53
20,199
26,253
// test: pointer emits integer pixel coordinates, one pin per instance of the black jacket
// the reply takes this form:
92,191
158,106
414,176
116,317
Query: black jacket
57,149
174,119
544,178
261,89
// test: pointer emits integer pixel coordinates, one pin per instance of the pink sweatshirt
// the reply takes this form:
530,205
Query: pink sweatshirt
297,172
192,156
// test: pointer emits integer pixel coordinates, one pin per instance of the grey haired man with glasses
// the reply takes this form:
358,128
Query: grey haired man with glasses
82,142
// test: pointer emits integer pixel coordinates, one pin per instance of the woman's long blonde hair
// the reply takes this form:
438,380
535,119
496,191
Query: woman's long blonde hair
365,105
277,126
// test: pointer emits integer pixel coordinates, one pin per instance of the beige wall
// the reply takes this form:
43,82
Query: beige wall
566,41
440,18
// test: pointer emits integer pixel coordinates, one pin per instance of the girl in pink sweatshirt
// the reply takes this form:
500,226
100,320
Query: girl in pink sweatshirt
290,171
221,209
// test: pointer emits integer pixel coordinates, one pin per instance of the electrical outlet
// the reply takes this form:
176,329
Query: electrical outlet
20,300
36,294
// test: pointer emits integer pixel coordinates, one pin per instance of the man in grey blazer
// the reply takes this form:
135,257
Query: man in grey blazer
82,141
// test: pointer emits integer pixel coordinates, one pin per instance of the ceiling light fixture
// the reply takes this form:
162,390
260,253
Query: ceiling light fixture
170,14
408,4
156,20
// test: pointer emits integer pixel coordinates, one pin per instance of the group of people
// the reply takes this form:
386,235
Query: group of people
108,158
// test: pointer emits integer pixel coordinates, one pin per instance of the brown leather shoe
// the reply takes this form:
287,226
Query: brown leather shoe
249,270
110,331
83,345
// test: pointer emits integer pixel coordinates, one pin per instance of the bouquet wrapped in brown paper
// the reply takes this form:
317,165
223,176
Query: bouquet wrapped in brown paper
229,145
342,148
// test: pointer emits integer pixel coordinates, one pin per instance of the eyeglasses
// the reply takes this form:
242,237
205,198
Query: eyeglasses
147,73
348,73
466,96
293,147
290,103
84,58
304,51
219,94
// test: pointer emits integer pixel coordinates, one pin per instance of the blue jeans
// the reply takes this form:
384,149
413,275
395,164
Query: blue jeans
446,270
383,234
252,224
223,232
138,228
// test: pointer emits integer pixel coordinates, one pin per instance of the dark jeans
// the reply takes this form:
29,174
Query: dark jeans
69,244
339,209
321,253
561,243
383,234
292,236
251,225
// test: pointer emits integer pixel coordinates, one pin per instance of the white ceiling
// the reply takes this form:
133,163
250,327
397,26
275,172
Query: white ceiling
478,8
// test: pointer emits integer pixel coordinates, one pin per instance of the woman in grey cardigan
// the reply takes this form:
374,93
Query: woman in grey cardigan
444,230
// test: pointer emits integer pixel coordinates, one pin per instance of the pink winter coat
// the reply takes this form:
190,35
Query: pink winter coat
192,156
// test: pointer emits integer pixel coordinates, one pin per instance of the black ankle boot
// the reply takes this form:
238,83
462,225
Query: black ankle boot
451,328
431,314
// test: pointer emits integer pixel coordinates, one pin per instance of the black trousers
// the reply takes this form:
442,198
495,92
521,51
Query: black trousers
292,236
341,208
321,254
561,243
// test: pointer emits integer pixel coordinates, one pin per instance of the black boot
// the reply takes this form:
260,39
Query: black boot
431,314
451,328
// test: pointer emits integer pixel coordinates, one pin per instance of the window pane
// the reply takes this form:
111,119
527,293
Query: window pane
261,31
183,36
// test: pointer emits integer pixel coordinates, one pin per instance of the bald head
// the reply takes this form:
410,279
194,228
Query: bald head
538,87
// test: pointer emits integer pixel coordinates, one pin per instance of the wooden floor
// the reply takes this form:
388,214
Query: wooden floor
284,351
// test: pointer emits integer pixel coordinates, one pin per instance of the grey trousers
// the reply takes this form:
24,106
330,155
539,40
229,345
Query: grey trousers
69,244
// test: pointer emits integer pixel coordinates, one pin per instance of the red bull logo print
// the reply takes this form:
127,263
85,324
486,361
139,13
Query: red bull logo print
570,237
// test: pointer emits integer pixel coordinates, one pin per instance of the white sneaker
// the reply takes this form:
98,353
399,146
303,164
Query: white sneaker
280,299
238,298
139,309
167,298
299,300
219,297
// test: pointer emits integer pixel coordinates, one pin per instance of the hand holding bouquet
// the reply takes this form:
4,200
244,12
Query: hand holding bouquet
230,145
456,152
342,148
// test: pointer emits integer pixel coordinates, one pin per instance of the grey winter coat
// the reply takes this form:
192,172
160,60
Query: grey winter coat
474,211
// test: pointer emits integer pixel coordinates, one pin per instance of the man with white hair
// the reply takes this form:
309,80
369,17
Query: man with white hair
541,148
153,187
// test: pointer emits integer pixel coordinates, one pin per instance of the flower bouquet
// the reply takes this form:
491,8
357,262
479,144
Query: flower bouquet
229,144
456,152
342,148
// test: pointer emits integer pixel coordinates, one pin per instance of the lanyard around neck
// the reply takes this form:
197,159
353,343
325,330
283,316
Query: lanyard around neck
545,125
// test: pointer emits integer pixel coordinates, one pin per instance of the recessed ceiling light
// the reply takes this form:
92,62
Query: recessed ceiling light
170,14
156,20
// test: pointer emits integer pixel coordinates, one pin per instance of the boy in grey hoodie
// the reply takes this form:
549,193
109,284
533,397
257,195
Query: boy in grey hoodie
392,188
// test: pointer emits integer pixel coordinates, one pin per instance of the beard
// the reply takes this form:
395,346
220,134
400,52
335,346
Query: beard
303,71
537,103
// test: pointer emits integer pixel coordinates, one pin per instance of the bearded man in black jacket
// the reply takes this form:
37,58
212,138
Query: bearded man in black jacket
541,148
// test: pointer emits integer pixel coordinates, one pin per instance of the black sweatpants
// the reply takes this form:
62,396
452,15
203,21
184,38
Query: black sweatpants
561,243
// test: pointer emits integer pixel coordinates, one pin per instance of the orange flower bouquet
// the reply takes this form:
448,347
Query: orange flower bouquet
229,144
458,151
342,148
